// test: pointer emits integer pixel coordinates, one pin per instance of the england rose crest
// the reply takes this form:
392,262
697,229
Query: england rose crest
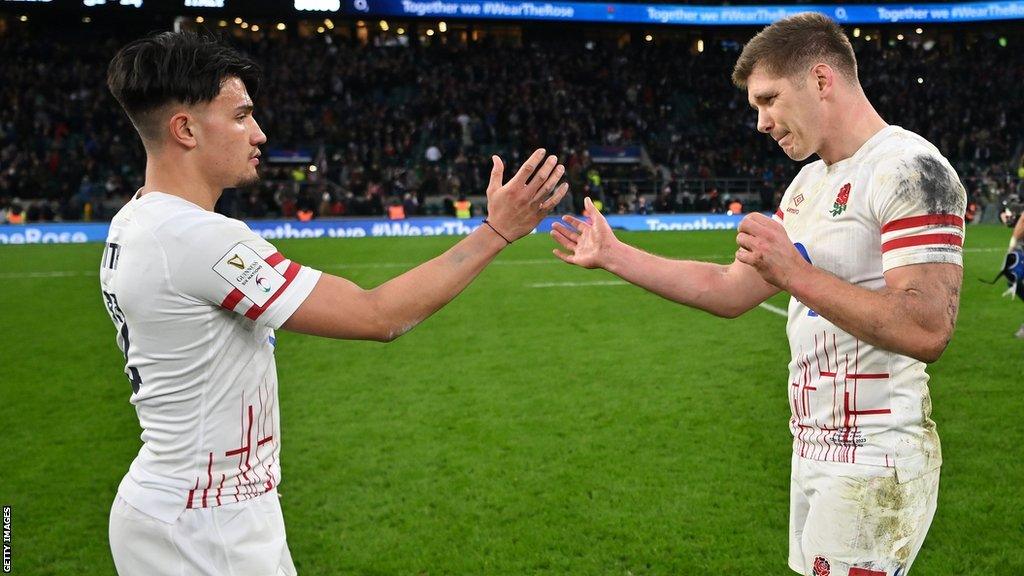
841,199
821,566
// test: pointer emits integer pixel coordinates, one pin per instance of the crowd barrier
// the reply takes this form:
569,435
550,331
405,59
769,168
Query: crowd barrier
74,233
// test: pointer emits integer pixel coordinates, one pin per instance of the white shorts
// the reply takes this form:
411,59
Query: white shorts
237,539
856,519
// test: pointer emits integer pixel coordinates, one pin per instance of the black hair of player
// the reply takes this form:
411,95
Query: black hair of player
174,67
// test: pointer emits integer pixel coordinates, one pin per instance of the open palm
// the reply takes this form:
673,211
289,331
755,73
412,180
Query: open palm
587,242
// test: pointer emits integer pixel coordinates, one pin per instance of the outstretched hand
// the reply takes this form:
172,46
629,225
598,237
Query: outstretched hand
588,243
515,208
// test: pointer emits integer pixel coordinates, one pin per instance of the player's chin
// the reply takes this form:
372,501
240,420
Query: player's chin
252,177
796,154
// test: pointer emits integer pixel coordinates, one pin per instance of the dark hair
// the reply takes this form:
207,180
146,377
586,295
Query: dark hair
168,67
790,46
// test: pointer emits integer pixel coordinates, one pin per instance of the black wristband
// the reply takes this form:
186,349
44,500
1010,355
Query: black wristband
491,226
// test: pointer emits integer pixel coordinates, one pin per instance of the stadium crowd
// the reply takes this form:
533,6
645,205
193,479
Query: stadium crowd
414,126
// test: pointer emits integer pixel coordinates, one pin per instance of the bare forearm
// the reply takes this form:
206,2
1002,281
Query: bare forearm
1017,238
405,301
909,321
701,285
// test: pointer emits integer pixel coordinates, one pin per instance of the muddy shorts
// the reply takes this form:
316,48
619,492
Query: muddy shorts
856,519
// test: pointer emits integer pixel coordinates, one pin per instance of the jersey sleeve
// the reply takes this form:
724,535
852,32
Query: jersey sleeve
221,261
919,203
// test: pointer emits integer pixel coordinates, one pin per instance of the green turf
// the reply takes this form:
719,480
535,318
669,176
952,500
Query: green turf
593,430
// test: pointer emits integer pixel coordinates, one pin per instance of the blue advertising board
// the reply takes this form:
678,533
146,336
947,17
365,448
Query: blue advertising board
686,14
73,233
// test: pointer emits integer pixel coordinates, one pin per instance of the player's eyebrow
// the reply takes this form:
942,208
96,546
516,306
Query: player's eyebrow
762,97
247,108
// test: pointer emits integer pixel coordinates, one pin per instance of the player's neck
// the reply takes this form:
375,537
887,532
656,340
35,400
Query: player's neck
179,179
855,124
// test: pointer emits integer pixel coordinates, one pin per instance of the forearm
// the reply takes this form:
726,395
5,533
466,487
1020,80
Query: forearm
907,321
1017,237
702,285
405,301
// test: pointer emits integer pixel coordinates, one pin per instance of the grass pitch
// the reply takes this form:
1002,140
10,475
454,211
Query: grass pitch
549,421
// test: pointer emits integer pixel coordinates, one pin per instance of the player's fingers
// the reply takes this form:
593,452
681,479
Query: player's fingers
545,170
745,241
745,257
565,241
528,168
591,211
555,198
549,184
497,171
568,259
576,222
746,224
570,233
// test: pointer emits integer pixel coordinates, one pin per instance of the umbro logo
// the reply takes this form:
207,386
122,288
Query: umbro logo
794,202
237,262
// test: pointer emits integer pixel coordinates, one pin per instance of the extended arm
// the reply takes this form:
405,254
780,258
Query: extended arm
338,308
723,290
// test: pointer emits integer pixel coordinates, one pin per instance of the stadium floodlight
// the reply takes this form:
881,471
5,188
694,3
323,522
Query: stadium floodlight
238,20
384,25
856,32
281,26
222,23
648,38
329,23
919,31
920,80
244,25
255,27
320,29
400,31
200,19
23,18
700,46
899,36
86,19
442,27
430,32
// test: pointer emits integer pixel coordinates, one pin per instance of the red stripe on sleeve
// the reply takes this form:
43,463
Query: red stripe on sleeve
926,220
275,259
950,239
780,214
232,299
855,571
289,275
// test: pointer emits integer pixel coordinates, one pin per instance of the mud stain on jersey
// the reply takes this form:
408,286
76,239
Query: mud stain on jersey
925,181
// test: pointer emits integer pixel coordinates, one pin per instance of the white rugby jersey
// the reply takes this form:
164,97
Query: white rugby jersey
195,298
895,202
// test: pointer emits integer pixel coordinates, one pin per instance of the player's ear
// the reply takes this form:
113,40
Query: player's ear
824,78
182,126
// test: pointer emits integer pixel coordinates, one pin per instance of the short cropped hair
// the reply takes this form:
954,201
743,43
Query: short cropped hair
789,47
174,67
